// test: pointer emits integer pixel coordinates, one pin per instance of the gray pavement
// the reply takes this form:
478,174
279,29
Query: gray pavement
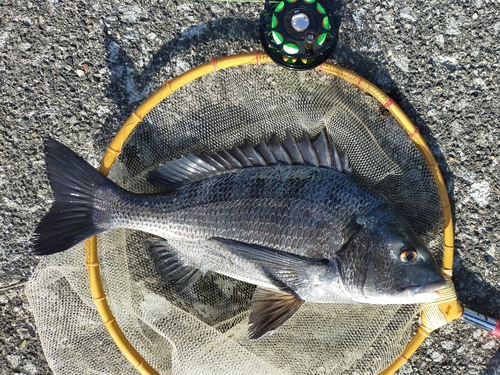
75,70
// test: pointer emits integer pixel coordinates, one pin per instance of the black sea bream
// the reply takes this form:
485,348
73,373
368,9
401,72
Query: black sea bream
286,216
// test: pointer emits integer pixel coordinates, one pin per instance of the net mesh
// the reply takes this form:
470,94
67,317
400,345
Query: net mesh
203,330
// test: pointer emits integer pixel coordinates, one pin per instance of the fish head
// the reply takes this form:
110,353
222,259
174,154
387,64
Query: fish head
386,263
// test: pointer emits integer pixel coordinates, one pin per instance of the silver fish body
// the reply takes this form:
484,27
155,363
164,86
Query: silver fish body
299,232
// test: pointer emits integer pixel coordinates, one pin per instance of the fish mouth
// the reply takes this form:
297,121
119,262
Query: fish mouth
409,295
427,292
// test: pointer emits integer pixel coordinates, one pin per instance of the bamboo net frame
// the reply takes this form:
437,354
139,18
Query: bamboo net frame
433,316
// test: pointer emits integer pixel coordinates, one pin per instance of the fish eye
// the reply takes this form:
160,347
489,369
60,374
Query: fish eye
408,255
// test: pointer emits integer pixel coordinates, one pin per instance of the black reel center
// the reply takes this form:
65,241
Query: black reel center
299,34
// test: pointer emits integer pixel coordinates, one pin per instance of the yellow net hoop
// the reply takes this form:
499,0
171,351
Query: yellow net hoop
432,317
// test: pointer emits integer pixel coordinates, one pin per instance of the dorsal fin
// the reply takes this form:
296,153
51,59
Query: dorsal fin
308,152
190,168
253,155
322,151
293,150
279,152
267,155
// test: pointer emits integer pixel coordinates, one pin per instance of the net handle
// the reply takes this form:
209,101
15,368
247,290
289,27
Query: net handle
252,58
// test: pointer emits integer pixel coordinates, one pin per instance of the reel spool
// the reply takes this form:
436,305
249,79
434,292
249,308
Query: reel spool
299,34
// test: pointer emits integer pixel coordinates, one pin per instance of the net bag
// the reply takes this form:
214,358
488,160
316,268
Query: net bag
203,330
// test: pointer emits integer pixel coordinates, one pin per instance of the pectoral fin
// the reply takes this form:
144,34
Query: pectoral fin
288,272
170,266
293,275
271,308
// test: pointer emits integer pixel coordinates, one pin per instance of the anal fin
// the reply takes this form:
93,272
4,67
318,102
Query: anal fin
170,266
271,308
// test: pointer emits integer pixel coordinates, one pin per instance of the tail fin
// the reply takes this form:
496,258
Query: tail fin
70,219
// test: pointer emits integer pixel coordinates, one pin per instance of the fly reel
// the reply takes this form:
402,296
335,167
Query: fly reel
299,34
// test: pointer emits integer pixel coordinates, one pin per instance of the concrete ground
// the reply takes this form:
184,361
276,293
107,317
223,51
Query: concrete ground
75,70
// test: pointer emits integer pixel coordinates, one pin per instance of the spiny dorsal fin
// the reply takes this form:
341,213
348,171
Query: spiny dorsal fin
270,309
241,157
293,150
307,151
279,151
322,151
266,154
190,168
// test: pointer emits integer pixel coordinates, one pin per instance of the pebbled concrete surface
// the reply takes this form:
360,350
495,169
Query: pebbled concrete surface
75,70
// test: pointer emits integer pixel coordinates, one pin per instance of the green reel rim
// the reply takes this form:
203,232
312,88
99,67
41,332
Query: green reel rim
299,34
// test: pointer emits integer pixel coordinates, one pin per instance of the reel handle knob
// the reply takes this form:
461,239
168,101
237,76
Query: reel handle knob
481,321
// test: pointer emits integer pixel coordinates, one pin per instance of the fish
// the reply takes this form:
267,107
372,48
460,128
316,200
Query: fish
287,216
